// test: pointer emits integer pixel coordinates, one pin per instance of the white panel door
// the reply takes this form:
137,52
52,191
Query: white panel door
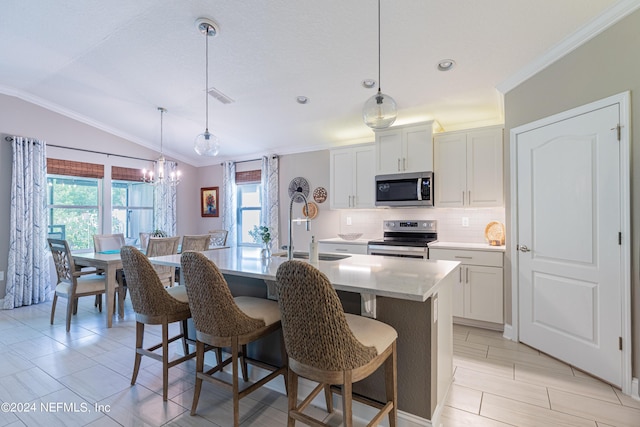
569,263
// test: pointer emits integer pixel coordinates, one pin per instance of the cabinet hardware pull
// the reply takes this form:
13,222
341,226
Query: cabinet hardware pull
467,275
469,197
340,250
398,164
463,257
463,198
460,269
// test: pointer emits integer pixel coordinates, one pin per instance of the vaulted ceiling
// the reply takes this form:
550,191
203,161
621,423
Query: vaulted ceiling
112,63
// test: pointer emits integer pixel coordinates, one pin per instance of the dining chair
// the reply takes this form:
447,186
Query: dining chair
112,242
164,246
224,321
153,304
144,241
328,346
218,237
108,242
195,243
72,283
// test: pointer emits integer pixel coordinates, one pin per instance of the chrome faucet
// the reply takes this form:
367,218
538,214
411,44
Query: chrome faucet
293,196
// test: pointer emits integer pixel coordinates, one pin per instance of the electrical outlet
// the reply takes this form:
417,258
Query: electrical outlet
1,276
348,220
465,221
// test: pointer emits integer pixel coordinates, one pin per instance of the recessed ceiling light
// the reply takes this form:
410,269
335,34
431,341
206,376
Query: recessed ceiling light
302,99
446,64
368,83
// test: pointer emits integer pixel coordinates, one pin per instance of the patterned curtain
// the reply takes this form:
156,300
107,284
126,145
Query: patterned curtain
229,207
27,272
270,213
164,209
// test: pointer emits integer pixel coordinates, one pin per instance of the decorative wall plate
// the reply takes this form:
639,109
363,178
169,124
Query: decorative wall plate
494,233
300,185
320,194
313,210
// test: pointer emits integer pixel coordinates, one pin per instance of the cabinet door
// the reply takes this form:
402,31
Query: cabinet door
364,183
341,170
417,153
483,293
389,151
484,168
450,170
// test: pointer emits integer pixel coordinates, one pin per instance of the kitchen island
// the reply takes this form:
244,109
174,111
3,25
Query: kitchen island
413,296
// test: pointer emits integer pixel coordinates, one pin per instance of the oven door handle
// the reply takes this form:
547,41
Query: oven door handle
396,249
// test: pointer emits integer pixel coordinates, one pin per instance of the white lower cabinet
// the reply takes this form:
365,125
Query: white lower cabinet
344,248
478,294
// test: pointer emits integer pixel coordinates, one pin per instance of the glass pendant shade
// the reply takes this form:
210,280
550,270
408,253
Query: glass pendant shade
379,111
207,144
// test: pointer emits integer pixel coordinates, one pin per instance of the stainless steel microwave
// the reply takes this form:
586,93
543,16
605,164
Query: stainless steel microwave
405,189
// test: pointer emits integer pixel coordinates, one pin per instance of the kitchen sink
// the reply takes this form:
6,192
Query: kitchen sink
321,257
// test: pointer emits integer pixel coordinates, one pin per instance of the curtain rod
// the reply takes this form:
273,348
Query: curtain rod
275,156
9,139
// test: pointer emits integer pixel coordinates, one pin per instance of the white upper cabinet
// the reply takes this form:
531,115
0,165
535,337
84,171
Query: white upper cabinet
468,168
352,181
406,148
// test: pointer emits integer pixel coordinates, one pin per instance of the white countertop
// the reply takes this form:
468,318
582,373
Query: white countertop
466,246
407,279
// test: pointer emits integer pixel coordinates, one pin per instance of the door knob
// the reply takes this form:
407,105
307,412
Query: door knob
523,248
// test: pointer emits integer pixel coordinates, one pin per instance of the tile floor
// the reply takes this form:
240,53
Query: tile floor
81,378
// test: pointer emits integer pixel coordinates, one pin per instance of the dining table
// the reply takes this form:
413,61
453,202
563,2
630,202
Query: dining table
110,262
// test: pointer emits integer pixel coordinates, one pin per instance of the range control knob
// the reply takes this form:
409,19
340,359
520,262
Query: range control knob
390,224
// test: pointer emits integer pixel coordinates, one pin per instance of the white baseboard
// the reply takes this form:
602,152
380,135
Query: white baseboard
508,332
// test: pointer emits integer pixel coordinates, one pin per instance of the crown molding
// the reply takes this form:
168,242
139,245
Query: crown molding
609,17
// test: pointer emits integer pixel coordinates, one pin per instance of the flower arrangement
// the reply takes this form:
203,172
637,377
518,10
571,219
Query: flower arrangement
260,234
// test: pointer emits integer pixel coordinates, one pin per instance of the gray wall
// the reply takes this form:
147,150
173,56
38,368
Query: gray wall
607,65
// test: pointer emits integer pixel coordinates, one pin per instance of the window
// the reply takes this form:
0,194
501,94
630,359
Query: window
73,209
132,208
249,209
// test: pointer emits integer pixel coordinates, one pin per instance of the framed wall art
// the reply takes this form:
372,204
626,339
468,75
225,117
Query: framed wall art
210,202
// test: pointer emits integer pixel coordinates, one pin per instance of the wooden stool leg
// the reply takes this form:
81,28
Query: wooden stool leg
293,396
199,371
139,341
391,385
165,361
235,348
347,412
245,372
328,397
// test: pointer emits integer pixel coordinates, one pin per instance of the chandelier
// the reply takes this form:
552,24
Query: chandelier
159,178
206,143
379,111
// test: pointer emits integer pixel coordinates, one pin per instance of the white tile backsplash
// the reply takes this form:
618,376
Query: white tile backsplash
450,229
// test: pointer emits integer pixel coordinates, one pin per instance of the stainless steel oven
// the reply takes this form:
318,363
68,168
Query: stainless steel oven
405,239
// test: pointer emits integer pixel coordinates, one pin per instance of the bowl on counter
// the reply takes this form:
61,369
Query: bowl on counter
350,236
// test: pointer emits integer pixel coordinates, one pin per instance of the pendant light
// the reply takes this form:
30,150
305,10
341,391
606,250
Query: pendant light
148,176
380,111
206,143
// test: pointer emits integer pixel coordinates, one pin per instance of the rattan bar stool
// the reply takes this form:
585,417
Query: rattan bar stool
224,321
330,347
155,305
